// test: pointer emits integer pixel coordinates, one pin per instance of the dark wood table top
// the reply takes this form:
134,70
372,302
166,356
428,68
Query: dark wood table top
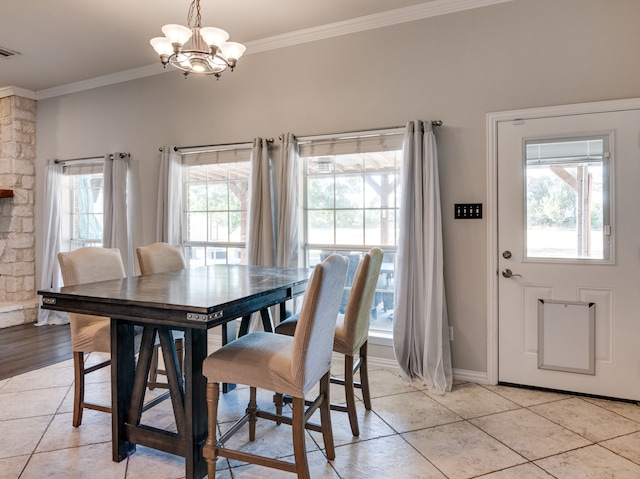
201,297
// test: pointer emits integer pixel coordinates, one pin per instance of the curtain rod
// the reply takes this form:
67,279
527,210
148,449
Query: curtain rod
216,145
435,123
122,155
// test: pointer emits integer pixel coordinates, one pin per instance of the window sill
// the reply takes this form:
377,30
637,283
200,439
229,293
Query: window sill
381,338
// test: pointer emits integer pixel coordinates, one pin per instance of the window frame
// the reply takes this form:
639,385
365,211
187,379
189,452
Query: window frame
607,193
70,209
214,251
344,142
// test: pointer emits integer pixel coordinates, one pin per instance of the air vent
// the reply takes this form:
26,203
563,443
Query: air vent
6,53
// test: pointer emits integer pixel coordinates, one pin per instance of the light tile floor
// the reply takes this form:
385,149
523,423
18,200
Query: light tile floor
492,432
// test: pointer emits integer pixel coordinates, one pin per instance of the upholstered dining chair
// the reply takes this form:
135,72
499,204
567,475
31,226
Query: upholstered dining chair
292,365
351,335
89,333
159,258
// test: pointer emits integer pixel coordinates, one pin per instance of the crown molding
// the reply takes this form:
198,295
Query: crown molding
100,81
17,91
421,11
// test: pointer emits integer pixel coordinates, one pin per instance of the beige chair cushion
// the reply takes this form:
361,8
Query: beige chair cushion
290,365
160,257
90,333
88,265
352,328
242,356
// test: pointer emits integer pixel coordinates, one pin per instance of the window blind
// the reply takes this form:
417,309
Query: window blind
367,143
239,153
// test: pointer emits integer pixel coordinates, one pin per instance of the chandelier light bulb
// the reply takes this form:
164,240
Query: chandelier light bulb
233,50
163,47
198,65
177,33
213,36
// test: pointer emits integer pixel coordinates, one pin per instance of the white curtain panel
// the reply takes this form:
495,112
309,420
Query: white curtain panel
261,231
169,220
288,180
288,199
421,325
115,233
50,277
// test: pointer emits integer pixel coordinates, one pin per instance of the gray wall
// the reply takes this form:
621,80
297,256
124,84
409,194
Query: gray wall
457,68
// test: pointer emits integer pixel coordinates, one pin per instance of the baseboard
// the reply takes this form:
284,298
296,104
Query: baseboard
459,375
383,363
463,375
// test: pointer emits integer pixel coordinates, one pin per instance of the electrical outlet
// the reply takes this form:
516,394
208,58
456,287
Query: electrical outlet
450,333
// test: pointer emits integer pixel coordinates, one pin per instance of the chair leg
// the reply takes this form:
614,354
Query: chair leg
210,449
298,432
350,395
180,352
364,377
325,418
78,388
252,409
278,402
153,370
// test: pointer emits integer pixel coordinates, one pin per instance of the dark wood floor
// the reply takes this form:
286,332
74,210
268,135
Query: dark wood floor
27,347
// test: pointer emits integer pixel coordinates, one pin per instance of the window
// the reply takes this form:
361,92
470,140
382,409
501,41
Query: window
567,199
216,195
351,203
82,205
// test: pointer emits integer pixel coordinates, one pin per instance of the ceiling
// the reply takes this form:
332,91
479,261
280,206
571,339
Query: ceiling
65,41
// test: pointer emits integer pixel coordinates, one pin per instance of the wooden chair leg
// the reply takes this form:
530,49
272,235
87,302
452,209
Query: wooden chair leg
210,449
252,408
78,387
350,395
364,377
180,352
325,418
278,402
153,370
298,432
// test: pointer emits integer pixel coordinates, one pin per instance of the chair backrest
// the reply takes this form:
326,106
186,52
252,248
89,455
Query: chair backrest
90,264
354,330
313,339
160,257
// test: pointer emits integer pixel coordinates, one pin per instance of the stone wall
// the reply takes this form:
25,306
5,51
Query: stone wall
18,300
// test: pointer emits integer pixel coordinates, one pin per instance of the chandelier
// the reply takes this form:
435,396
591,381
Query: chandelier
193,49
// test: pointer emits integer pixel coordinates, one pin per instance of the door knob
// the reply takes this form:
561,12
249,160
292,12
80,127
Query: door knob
507,273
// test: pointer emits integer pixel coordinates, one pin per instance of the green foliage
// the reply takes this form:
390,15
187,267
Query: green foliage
552,203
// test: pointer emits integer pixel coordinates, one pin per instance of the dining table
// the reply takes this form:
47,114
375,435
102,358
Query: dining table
191,300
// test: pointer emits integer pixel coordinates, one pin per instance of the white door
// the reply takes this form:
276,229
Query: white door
569,253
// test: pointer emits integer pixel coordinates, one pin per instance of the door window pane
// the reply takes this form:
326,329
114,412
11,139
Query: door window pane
567,199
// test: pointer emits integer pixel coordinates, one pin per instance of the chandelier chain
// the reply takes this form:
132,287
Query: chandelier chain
194,5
